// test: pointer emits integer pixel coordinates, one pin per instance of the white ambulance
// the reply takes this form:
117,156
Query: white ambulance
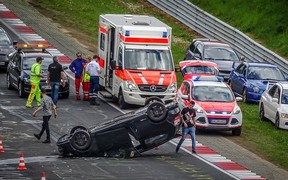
135,59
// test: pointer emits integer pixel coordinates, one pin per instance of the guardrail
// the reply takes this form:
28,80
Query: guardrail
211,27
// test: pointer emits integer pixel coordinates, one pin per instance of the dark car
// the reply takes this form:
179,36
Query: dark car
6,47
127,135
250,79
212,50
19,67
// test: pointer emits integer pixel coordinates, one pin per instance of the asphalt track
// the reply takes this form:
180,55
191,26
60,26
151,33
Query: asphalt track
208,164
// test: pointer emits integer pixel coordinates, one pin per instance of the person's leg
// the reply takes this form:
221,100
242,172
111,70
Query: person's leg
85,90
91,92
193,138
46,125
31,95
96,89
77,86
38,95
55,91
184,134
43,128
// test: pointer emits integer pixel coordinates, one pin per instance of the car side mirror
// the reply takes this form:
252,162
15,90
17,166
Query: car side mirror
241,75
14,43
65,67
275,100
242,58
239,99
113,64
177,69
197,56
184,97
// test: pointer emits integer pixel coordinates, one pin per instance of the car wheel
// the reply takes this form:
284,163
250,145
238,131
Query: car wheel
262,113
21,92
237,132
77,128
152,99
244,95
80,140
277,121
157,111
121,101
9,86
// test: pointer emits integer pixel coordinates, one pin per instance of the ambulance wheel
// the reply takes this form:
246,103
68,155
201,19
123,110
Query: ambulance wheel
157,112
121,101
77,128
81,140
152,99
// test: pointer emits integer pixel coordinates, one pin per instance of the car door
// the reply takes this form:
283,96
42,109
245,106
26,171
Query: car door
15,70
238,79
269,104
275,104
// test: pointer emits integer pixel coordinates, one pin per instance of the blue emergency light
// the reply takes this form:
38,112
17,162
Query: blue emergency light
164,35
127,33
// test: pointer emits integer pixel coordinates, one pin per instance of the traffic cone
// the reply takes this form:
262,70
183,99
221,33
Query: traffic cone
1,146
43,176
21,163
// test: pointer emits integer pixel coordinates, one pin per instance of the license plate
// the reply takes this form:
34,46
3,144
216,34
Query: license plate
218,121
2,63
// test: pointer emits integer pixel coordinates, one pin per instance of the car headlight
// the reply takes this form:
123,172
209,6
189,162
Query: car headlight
130,86
172,87
255,89
199,110
284,115
26,80
236,110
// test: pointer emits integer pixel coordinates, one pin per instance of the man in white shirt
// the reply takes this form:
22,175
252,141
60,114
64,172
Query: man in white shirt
93,69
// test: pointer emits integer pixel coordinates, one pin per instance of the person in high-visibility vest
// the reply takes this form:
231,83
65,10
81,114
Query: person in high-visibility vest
86,80
35,78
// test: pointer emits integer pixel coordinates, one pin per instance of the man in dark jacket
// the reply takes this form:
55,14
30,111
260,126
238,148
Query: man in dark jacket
77,68
55,75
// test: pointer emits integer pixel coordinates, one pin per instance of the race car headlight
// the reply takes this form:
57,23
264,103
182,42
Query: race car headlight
255,89
284,115
130,85
237,110
172,87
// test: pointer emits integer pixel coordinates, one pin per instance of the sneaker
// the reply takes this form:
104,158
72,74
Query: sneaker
78,98
194,152
177,149
47,141
29,106
37,136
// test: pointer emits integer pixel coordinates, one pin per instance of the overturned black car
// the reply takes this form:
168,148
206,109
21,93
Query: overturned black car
127,135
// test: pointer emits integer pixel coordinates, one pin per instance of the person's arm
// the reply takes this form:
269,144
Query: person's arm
72,67
63,78
48,78
36,111
183,121
38,71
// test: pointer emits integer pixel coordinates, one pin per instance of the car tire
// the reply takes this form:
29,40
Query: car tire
277,121
77,128
244,95
157,112
153,99
21,92
121,101
81,140
237,132
9,86
262,113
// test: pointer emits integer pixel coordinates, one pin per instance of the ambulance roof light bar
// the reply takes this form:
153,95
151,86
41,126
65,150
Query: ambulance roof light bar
31,46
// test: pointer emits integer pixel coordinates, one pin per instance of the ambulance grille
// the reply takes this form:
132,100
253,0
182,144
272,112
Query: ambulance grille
152,88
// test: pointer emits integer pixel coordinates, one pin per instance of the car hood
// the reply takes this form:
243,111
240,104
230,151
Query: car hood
6,49
261,84
283,108
224,65
217,106
44,72
150,77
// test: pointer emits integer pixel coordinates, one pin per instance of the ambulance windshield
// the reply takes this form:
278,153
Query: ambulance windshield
148,59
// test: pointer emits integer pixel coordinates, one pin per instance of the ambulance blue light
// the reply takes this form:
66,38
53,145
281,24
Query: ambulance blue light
164,35
127,33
